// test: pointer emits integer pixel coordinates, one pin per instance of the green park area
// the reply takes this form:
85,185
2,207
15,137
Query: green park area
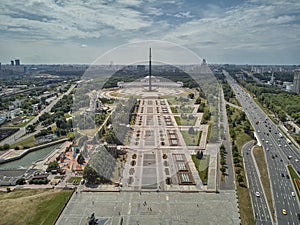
263,170
202,166
191,138
74,180
240,131
186,120
32,206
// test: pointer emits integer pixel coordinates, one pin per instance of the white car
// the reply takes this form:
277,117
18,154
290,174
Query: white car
293,194
257,194
297,160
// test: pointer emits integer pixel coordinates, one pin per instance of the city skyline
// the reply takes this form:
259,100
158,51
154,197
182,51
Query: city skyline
78,32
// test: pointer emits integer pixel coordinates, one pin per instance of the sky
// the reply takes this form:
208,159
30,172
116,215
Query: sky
80,31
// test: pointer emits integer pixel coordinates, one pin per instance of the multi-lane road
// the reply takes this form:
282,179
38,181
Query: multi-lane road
261,210
278,153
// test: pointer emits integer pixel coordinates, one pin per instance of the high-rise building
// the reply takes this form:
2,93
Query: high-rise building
17,62
297,81
150,84
12,62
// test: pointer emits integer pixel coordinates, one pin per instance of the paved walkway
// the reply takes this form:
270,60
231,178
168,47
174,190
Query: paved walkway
115,208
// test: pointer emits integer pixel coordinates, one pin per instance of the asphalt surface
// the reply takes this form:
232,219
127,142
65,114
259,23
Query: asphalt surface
229,182
261,211
277,150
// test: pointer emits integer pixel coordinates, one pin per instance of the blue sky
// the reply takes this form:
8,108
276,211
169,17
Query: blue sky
79,31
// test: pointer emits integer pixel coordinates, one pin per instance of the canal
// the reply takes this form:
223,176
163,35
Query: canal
30,158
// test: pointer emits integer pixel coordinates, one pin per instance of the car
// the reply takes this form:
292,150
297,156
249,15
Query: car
293,194
297,160
289,157
257,194
298,215
287,176
283,211
282,175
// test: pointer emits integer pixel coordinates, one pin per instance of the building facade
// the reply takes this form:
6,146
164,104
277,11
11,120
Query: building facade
297,81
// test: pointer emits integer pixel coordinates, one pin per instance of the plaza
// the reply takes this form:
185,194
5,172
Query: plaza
115,208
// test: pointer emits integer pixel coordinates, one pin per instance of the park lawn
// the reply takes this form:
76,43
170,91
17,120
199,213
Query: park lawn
262,166
245,206
202,167
32,206
75,180
241,139
185,122
191,139
26,142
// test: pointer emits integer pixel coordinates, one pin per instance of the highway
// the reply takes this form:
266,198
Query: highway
277,152
261,210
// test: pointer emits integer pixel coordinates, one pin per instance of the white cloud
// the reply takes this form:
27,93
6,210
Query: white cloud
259,27
63,20
183,15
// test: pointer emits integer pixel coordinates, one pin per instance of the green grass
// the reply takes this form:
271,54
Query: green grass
26,142
240,139
76,180
32,206
202,167
262,166
191,139
184,109
294,176
186,121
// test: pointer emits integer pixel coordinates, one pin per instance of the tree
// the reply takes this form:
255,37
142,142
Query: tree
21,181
6,146
43,100
240,179
200,154
80,159
191,95
191,130
90,175
223,169
52,166
30,128
198,101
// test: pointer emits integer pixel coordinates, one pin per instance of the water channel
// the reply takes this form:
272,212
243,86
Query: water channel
30,158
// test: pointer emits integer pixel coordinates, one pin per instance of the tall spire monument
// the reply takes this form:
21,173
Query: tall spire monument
150,85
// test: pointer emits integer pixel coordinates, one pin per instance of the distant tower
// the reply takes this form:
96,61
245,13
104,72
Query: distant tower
297,81
272,79
17,62
150,84
12,63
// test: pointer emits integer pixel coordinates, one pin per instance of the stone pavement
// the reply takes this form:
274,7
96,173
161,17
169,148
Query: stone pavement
115,208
